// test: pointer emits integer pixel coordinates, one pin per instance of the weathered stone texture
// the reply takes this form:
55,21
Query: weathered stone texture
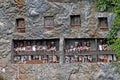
33,11
75,71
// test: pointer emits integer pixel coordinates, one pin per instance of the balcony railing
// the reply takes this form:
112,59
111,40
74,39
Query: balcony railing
28,53
107,52
90,56
70,57
35,57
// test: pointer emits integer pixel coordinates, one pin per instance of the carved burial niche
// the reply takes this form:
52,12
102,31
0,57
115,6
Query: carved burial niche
49,22
36,51
103,23
79,50
20,22
88,50
75,21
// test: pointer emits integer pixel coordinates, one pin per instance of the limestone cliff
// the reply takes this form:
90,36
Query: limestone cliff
75,71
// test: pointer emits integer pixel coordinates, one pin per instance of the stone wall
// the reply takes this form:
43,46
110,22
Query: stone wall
33,11
75,71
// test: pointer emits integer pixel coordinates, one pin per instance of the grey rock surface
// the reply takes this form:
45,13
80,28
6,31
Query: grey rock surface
34,11
75,71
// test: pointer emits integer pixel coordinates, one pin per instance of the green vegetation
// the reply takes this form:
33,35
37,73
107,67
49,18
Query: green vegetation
114,7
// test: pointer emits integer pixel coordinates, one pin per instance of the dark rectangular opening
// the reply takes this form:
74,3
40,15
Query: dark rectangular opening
49,22
20,25
75,20
103,23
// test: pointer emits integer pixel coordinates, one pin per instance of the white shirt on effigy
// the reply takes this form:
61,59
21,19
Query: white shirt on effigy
34,48
53,48
90,58
100,47
40,58
22,59
114,58
30,58
23,48
44,47
110,57
101,56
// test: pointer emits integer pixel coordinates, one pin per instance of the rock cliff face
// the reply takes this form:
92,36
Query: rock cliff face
94,71
34,11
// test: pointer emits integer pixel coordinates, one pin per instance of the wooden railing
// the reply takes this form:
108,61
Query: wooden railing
90,56
27,53
107,52
46,57
94,55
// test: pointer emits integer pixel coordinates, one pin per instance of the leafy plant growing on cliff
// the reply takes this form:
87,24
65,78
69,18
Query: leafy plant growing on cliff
114,7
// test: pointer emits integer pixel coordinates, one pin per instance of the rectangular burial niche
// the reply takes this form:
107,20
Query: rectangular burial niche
103,23
87,50
101,41
79,50
35,51
20,22
75,21
48,22
105,53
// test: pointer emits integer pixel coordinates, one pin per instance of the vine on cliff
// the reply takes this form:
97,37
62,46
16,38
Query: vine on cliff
114,7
